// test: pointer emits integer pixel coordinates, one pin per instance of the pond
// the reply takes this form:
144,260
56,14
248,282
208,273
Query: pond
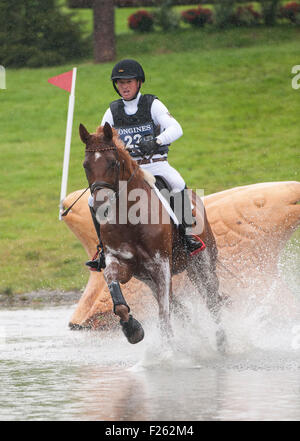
49,372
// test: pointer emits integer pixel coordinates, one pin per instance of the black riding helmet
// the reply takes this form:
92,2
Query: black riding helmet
126,69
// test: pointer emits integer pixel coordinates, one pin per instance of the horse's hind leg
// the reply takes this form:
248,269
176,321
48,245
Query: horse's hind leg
161,286
202,273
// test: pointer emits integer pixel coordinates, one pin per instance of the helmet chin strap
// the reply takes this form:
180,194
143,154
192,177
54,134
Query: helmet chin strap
115,87
117,90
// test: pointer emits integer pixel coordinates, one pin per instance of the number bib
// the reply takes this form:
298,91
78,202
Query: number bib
131,135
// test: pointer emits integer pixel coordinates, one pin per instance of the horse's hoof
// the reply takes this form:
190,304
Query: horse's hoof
133,330
221,340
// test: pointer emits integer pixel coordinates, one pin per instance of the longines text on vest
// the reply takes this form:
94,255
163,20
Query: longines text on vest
132,130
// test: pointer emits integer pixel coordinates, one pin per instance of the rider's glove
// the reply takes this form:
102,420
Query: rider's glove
147,144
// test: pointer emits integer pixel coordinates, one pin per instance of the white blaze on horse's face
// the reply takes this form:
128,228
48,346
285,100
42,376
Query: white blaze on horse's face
97,156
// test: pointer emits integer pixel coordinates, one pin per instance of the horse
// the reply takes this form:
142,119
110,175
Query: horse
150,252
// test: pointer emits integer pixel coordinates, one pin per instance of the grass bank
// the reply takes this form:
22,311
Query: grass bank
231,92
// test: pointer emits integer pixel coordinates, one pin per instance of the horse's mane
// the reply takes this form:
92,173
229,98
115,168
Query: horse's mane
129,163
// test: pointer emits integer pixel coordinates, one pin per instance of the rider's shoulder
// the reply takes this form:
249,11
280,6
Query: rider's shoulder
115,104
150,98
107,117
158,106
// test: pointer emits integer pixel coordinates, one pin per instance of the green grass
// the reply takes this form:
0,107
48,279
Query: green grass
231,91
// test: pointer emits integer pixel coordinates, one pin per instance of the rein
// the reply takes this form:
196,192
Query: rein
102,184
72,205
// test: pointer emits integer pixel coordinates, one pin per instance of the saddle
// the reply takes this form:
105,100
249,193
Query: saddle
161,183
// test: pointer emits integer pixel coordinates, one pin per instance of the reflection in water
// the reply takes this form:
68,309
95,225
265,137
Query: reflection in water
205,394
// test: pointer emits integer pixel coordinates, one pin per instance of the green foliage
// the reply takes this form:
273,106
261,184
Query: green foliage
224,11
197,17
141,21
291,11
36,33
227,15
269,11
246,16
166,17
241,16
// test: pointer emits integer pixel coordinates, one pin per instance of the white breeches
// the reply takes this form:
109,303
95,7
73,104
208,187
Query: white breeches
164,169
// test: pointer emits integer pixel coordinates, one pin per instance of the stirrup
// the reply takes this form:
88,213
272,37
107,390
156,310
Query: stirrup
98,261
191,245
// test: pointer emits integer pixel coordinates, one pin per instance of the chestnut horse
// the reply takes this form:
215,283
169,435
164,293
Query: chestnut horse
148,251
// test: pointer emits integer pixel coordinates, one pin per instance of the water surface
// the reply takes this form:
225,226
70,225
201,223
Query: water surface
51,373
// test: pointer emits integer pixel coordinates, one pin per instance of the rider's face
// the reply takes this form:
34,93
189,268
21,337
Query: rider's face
128,88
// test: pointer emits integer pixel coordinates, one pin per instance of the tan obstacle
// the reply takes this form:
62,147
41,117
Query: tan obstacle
251,225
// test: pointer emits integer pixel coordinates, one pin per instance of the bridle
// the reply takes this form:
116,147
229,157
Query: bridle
98,185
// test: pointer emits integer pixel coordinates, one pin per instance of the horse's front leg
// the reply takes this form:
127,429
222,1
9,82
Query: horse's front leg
132,329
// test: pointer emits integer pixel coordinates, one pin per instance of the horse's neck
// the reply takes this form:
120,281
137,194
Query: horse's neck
139,183
134,201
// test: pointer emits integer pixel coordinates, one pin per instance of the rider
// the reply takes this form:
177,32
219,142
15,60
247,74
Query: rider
145,125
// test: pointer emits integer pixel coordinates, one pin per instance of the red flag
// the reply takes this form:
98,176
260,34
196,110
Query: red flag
64,81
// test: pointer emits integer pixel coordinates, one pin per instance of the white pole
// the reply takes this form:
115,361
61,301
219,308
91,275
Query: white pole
64,181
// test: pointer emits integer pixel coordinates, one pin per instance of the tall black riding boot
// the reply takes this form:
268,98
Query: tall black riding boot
192,243
98,262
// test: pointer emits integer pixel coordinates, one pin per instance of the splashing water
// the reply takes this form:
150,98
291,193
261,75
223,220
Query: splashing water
49,372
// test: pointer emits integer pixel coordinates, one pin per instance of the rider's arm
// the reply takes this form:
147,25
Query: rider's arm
170,128
107,118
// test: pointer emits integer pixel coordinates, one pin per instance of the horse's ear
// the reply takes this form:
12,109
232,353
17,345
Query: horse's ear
84,134
107,130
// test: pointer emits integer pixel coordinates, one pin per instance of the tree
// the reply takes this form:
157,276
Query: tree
104,27
270,10
104,31
36,33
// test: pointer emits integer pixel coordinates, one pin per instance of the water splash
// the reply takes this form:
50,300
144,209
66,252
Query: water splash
50,372
261,332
